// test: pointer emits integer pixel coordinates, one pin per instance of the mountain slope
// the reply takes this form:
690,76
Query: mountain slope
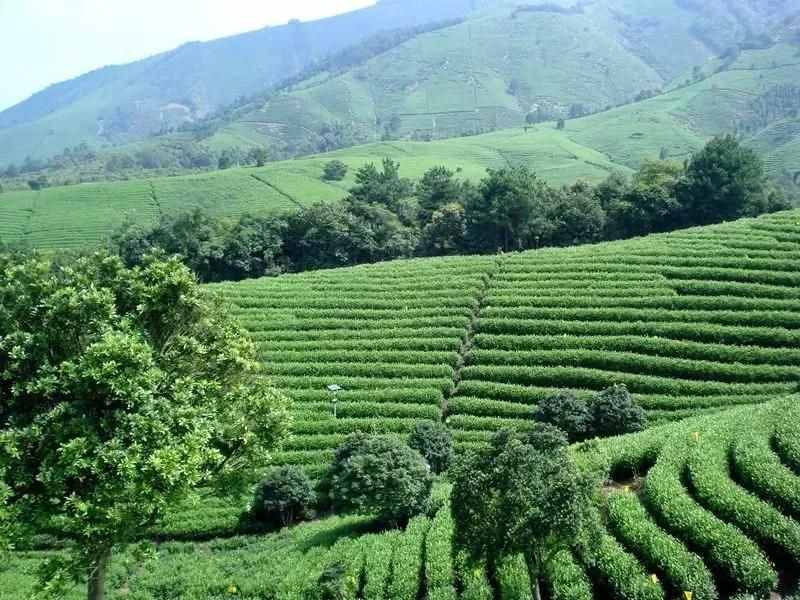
756,96
504,63
507,60
120,103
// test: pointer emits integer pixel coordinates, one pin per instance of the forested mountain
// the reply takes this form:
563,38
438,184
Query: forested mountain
400,69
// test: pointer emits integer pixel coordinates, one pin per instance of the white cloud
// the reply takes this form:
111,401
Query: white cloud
46,41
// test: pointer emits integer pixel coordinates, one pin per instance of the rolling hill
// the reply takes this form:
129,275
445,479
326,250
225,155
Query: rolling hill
693,321
505,60
504,63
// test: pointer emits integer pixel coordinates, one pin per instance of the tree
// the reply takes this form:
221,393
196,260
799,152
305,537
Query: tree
434,441
509,211
615,412
345,233
519,496
724,181
446,232
384,187
380,476
437,188
284,496
567,412
122,392
335,170
39,183
197,237
575,216
252,247
258,156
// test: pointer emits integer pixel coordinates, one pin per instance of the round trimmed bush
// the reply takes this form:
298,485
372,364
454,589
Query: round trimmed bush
567,412
615,412
380,476
434,442
283,497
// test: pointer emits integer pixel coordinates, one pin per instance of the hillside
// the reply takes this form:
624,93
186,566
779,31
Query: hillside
689,524
693,322
126,102
504,64
756,96
508,59
702,325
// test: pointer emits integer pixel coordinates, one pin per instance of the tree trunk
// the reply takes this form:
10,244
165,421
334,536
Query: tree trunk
533,575
537,589
97,575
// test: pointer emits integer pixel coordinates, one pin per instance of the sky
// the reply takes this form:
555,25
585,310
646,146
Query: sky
47,41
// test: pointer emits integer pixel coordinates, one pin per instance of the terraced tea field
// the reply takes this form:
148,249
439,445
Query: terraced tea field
702,325
84,216
693,322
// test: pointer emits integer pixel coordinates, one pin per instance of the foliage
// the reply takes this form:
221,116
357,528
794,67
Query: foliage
516,498
434,441
384,187
615,412
508,212
725,181
380,476
123,391
335,170
566,411
283,497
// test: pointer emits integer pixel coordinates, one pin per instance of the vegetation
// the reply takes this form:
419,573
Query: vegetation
283,497
386,216
378,476
123,392
519,496
434,441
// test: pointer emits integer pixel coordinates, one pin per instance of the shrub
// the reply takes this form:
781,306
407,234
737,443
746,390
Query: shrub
567,412
434,442
284,496
380,476
614,412
333,584
334,170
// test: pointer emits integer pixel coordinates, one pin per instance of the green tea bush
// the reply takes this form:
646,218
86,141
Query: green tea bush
566,411
379,476
614,412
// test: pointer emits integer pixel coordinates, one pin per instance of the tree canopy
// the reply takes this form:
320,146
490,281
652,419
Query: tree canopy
521,495
121,391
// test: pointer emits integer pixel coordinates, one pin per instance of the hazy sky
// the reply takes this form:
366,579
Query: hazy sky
46,41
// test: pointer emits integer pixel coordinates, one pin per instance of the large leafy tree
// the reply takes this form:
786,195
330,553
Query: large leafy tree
522,495
725,181
510,212
121,391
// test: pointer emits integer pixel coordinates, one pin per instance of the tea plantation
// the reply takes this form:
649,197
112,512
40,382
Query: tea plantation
703,327
694,321
712,511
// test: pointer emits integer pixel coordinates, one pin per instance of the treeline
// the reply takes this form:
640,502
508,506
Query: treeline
387,216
